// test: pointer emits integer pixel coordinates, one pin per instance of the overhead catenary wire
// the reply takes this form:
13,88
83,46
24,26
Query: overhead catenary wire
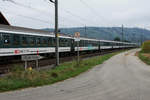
31,8
83,21
40,20
48,13
35,9
27,17
70,20
94,12
28,7
77,16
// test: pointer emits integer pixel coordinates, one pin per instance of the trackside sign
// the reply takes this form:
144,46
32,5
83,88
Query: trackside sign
30,57
77,36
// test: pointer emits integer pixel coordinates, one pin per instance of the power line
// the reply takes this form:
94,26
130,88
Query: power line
26,6
27,17
35,9
70,20
22,5
40,20
74,15
92,10
41,11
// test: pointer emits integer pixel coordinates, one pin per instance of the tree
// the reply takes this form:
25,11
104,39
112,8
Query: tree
116,39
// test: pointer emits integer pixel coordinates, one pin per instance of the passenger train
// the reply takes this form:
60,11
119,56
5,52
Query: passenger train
16,41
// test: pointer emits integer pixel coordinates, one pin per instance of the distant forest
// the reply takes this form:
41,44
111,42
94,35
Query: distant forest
109,33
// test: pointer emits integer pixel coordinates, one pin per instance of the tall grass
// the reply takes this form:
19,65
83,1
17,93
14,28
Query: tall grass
19,78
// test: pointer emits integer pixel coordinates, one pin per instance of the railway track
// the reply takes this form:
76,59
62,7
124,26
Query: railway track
5,68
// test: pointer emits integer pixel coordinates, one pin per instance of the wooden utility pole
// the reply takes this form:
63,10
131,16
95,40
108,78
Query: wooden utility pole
56,32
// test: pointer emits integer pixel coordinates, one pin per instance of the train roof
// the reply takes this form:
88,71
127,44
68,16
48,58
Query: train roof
27,31
21,29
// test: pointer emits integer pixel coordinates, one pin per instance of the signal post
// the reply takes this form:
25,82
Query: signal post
77,39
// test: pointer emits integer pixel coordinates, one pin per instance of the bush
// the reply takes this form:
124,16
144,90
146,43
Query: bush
146,47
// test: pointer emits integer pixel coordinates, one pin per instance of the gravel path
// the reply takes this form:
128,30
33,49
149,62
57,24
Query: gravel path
123,77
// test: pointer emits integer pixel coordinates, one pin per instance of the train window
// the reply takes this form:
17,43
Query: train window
60,42
92,43
102,43
107,44
70,42
95,43
64,42
24,40
83,43
44,41
67,42
53,42
86,43
16,39
80,43
6,39
111,44
38,41
32,40
49,42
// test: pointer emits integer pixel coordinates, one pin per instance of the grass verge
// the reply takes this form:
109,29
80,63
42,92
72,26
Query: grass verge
19,78
145,57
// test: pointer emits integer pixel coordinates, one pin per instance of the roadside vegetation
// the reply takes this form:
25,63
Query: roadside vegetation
19,78
144,54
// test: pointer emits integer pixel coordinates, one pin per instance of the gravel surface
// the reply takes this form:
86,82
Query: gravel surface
123,77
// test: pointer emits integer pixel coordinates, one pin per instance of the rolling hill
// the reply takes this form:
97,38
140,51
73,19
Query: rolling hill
108,33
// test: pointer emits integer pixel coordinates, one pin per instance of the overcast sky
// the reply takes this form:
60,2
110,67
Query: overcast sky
75,13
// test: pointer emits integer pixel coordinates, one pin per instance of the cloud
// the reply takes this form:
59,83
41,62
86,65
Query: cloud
73,13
